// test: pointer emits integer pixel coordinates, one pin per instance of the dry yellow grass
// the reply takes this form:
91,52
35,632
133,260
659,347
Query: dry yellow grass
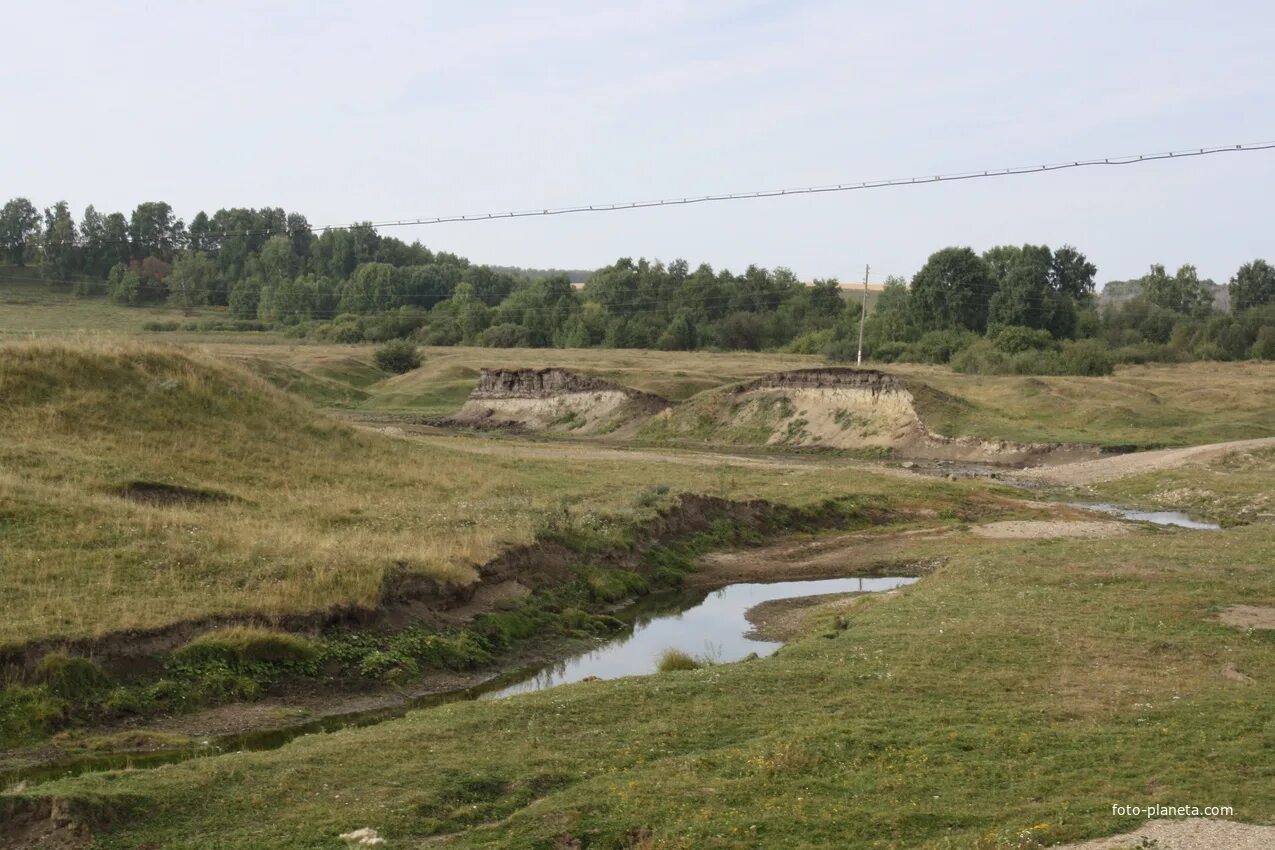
316,512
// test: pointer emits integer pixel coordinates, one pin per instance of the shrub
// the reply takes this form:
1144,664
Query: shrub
676,659
397,356
938,346
1264,345
505,335
246,645
1087,357
1013,339
70,677
981,358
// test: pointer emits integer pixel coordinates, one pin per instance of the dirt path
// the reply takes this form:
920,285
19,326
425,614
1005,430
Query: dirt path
587,450
1122,466
1189,834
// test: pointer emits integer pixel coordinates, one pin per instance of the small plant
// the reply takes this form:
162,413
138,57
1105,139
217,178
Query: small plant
69,676
397,356
675,659
248,645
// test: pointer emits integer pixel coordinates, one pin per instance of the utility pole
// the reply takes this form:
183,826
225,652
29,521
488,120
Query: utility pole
863,314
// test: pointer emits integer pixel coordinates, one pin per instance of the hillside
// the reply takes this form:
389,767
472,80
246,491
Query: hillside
203,490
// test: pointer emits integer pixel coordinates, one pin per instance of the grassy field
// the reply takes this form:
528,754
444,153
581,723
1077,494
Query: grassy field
303,513
1007,701
1143,406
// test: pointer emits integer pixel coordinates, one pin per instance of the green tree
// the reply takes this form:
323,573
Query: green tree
1252,286
19,223
1023,286
1072,275
155,231
61,254
1182,293
193,277
952,290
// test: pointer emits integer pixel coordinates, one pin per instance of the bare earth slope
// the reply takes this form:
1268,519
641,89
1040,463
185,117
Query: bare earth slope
555,400
836,408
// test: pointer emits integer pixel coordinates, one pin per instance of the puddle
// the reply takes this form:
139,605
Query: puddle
713,629
1175,518
701,624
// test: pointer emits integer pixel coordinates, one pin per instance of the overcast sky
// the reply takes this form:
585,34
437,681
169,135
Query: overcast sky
386,110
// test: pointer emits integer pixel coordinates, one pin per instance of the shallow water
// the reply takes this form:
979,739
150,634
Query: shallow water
714,629
701,624
1176,518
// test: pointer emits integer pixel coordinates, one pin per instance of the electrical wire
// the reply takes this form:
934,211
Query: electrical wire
849,186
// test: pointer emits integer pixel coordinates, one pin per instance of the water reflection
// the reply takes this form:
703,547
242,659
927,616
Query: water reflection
715,629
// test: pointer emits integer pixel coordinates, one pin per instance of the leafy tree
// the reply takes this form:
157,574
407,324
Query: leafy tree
1252,286
1023,286
1072,275
61,254
19,223
155,231
1182,293
191,281
952,290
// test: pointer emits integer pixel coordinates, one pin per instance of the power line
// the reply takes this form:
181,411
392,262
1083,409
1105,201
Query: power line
849,186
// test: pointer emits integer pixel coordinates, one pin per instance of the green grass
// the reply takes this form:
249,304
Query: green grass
1143,406
1006,701
1235,489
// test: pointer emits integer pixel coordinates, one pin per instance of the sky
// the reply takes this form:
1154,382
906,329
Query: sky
387,110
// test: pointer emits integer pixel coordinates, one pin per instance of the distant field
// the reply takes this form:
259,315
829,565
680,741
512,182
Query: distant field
1139,406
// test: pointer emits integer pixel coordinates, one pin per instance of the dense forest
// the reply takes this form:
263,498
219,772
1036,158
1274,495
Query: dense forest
1023,309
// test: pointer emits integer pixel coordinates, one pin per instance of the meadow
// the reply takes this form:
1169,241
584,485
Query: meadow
1006,701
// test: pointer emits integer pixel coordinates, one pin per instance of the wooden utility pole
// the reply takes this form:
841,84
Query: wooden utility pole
863,314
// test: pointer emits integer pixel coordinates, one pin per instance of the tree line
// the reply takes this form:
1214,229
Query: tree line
1028,309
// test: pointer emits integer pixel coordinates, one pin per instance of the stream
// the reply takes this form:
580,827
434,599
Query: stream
708,625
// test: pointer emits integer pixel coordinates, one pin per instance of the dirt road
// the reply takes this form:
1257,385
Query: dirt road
1122,466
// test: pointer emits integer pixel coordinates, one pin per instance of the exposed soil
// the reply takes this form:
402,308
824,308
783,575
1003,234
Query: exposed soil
1138,463
1248,617
828,556
846,409
784,619
1189,834
43,823
158,493
555,400
1037,529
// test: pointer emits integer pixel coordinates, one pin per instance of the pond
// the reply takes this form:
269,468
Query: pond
714,629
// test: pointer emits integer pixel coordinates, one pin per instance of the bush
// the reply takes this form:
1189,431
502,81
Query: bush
1013,339
981,358
674,659
1086,357
70,677
246,645
938,346
1264,345
397,356
505,335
